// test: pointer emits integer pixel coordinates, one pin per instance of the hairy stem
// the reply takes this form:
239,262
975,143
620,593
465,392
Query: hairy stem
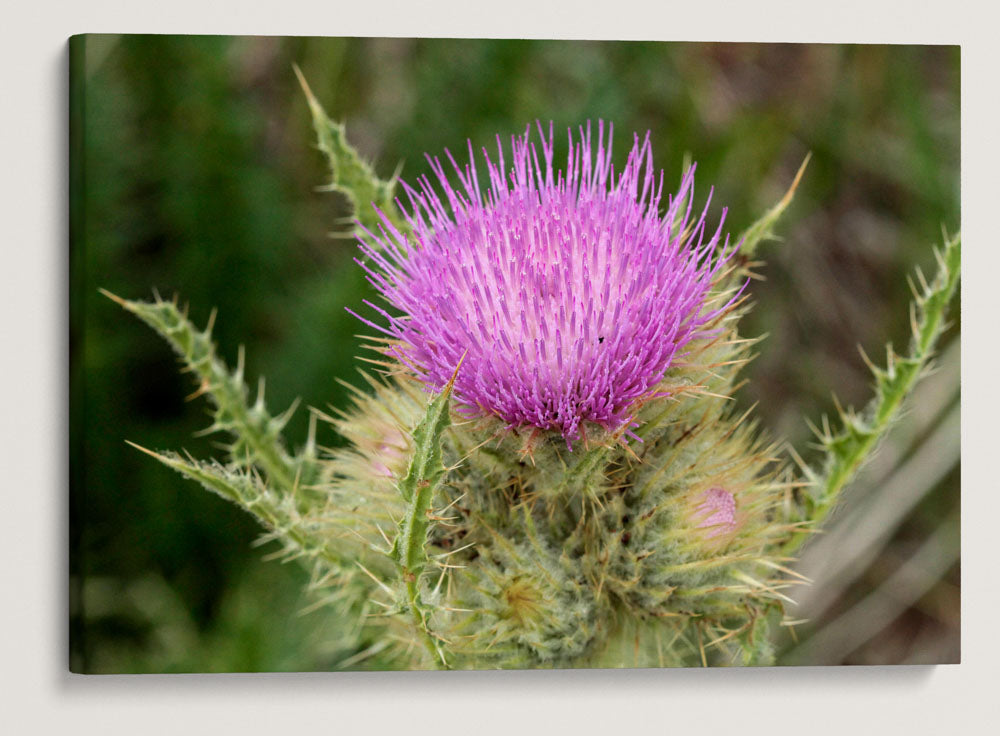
424,476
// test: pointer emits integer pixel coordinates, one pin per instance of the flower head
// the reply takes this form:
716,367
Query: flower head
568,293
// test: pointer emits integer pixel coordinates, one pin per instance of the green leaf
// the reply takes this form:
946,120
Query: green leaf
422,479
234,486
257,434
763,228
857,435
351,175
274,511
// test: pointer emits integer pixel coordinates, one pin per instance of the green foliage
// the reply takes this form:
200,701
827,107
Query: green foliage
847,446
352,176
422,479
762,229
256,434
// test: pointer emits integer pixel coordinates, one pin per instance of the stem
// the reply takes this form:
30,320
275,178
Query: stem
424,476
848,447
420,621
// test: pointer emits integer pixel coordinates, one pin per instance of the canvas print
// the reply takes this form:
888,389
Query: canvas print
578,354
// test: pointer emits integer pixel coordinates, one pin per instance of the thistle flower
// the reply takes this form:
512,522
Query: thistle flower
566,291
575,303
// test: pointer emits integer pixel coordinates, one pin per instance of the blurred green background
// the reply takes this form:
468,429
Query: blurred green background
193,171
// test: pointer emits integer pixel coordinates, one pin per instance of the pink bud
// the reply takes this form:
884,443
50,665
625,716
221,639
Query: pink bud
388,452
720,507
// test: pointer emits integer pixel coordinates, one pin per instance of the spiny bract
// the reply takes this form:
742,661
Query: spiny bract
569,558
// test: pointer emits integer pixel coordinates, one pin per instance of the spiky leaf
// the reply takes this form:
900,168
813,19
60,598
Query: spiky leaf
763,227
351,175
273,510
257,434
847,446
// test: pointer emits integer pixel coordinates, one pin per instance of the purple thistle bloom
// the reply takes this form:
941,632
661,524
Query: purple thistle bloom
567,292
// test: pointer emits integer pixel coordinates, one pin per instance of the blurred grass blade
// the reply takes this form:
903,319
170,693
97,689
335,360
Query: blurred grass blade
848,446
257,434
351,175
